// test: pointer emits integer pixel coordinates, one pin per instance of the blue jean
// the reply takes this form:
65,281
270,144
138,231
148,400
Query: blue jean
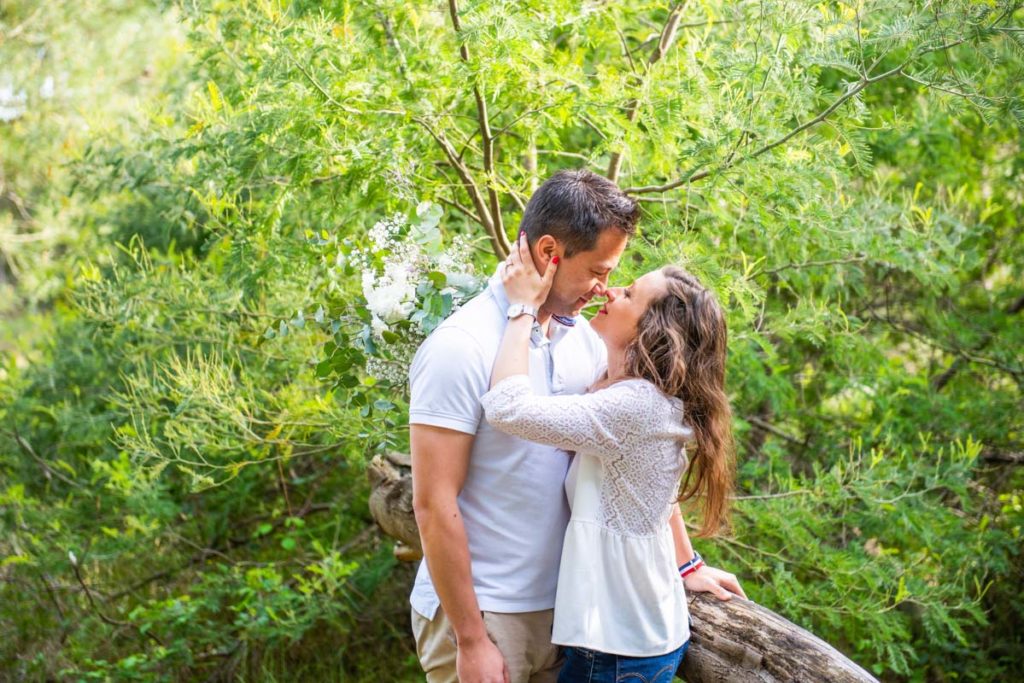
589,666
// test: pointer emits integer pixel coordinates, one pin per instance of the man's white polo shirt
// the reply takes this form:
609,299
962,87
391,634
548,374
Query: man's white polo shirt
513,502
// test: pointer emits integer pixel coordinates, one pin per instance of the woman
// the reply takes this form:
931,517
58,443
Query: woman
621,608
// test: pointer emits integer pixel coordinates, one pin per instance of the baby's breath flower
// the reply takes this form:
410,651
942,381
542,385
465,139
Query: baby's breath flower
396,286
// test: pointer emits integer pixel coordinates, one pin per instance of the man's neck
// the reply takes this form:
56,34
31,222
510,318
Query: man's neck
544,319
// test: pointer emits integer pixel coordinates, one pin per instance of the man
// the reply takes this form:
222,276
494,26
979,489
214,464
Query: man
491,508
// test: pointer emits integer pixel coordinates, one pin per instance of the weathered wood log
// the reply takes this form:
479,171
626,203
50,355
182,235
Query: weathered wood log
391,503
733,642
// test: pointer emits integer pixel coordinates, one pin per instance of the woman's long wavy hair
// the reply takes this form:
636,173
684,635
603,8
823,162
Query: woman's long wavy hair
680,347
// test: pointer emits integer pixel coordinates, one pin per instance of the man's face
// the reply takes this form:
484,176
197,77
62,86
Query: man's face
584,275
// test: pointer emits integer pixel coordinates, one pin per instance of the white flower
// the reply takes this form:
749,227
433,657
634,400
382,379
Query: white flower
384,232
46,89
12,104
389,298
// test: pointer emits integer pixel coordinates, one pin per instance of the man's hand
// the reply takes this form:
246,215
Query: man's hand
710,580
480,661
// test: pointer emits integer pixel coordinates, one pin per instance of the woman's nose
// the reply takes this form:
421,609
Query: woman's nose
613,293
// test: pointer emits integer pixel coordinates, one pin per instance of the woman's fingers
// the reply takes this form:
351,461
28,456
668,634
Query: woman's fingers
728,582
549,273
524,257
732,585
712,580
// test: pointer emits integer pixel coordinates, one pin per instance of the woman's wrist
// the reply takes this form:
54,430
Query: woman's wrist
516,310
692,566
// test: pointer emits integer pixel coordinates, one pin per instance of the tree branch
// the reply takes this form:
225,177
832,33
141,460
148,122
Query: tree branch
497,229
483,215
668,36
95,608
858,258
939,382
389,34
962,355
852,91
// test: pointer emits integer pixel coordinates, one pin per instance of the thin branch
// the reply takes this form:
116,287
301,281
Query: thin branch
625,50
593,126
230,543
483,215
48,470
323,92
497,230
860,41
950,91
103,617
668,36
701,24
522,116
659,200
771,496
859,258
996,456
851,92
458,207
967,356
772,429
393,42
940,381
284,487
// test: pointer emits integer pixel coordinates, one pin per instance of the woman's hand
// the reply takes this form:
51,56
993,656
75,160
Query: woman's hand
710,580
524,284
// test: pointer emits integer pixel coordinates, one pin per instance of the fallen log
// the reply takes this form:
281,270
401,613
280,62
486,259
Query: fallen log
737,641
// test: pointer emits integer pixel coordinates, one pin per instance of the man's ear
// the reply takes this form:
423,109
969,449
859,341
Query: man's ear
544,249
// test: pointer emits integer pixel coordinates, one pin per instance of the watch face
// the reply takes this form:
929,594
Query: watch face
516,310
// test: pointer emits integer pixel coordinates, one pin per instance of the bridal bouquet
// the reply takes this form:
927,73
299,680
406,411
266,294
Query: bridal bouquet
411,282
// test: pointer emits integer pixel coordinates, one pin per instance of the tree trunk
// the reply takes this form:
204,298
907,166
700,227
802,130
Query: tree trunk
732,642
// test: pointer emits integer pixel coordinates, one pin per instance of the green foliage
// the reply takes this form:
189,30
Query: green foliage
185,411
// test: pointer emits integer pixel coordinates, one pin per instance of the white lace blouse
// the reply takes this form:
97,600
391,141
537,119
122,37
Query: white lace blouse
619,590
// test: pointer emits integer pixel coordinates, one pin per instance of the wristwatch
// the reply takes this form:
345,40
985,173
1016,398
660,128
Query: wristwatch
516,310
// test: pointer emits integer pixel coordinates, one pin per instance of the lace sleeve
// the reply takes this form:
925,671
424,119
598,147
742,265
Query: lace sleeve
603,422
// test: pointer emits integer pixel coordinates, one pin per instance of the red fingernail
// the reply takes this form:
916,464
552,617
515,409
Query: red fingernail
555,260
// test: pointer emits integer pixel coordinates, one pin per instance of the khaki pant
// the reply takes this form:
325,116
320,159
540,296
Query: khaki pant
524,640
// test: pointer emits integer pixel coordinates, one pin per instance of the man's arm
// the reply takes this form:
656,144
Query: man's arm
440,460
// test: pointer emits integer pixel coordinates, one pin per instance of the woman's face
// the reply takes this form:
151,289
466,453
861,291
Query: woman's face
617,320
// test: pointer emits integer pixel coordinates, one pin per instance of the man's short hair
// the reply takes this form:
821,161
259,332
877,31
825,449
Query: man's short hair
575,206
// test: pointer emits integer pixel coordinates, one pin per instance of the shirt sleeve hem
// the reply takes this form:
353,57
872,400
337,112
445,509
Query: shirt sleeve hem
459,424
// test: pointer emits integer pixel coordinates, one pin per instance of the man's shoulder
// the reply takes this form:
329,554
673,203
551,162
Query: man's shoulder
478,323
479,318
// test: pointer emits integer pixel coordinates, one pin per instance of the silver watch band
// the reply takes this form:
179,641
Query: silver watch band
516,310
